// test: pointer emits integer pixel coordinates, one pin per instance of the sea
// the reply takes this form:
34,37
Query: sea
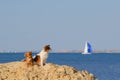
104,66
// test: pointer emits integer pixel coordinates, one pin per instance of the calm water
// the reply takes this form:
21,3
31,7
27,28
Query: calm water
104,66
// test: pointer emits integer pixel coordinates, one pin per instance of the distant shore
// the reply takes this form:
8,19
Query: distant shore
94,51
67,51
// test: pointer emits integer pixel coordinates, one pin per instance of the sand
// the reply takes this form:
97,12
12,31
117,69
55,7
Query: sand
20,71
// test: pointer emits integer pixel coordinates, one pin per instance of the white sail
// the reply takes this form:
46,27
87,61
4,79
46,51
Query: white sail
87,49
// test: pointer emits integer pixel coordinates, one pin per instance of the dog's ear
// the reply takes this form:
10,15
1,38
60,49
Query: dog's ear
25,54
30,53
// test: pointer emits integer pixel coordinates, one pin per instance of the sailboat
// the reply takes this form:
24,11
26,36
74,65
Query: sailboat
87,49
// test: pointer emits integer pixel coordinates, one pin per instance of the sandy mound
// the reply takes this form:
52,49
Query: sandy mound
19,71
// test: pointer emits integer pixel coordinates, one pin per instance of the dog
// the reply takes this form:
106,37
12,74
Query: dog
28,58
42,56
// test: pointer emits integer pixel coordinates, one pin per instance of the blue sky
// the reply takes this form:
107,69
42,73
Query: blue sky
64,24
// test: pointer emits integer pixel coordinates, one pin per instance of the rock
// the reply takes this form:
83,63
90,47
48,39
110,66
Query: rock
19,71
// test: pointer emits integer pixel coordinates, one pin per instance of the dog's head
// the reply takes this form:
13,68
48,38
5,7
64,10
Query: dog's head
28,54
47,48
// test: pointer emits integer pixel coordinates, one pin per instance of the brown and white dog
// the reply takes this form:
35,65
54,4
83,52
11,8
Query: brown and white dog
42,56
28,58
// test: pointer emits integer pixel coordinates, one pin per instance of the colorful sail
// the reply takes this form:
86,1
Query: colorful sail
88,48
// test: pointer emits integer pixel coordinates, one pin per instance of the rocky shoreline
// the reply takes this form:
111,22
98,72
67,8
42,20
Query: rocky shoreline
19,71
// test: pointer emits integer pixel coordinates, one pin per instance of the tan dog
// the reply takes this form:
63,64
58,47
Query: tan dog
42,56
28,58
